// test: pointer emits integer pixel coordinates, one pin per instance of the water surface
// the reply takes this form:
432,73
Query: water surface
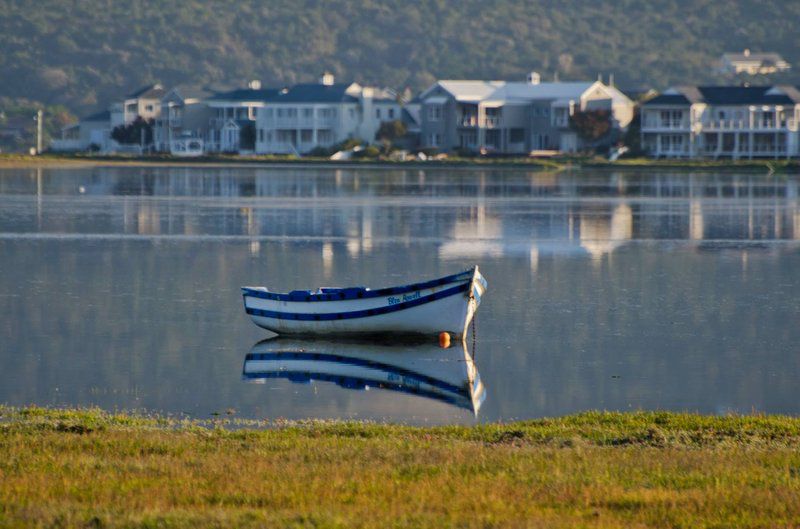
119,287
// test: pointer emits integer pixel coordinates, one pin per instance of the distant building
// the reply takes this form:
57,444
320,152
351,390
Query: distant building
182,120
231,112
753,63
722,122
91,132
514,117
305,116
144,103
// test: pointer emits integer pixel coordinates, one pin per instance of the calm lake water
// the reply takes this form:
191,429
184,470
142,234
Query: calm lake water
119,287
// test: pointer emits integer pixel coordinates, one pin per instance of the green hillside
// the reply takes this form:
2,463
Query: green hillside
84,53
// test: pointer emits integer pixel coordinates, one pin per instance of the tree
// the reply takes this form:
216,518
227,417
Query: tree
389,132
247,136
591,125
131,134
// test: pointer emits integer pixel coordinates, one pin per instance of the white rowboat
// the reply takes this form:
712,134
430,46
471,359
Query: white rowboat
445,304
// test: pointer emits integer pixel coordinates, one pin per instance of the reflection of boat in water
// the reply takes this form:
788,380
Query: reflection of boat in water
447,375
444,304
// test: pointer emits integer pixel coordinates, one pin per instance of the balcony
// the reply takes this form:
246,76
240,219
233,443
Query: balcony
491,122
789,124
468,121
299,122
665,124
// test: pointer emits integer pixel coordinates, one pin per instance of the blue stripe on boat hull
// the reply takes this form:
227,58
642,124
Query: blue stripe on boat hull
356,293
333,316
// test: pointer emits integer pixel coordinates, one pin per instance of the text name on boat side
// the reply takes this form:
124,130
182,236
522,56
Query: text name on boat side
446,304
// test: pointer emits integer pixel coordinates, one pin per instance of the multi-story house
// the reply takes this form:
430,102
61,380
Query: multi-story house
305,116
182,123
144,103
722,122
232,111
513,117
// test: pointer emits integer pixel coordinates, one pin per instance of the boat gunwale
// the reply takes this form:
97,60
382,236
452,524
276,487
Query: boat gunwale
351,293
363,313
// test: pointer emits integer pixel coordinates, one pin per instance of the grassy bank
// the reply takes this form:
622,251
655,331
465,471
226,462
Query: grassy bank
86,468
641,165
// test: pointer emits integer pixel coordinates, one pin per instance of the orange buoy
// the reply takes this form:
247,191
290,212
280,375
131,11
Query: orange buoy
444,340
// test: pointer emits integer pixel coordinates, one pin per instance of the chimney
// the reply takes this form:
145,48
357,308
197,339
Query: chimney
534,78
747,52
255,84
326,79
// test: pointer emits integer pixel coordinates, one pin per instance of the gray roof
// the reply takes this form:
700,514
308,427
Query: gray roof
728,95
153,91
246,94
315,93
104,115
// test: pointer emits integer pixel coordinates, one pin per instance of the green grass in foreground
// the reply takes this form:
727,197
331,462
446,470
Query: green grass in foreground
86,468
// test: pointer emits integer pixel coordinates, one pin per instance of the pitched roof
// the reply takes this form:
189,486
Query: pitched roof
103,115
246,94
728,95
769,57
315,93
153,91
466,90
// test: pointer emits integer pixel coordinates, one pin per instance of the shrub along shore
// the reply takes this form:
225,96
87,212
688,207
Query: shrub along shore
544,164
88,468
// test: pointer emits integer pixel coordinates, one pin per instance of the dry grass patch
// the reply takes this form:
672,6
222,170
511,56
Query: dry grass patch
85,468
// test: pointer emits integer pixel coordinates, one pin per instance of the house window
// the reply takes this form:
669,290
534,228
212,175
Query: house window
434,139
279,112
149,108
378,113
434,112
261,135
268,113
324,137
352,112
306,135
391,113
308,112
546,112
291,112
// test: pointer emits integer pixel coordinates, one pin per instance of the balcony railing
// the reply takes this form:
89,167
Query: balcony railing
744,124
665,124
300,122
468,121
492,121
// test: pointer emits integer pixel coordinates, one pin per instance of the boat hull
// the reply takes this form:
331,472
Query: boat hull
448,304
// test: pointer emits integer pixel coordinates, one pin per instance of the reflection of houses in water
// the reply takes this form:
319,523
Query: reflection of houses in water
480,213
425,370
479,235
600,235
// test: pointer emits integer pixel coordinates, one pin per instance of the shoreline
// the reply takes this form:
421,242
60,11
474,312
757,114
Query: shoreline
783,166
86,467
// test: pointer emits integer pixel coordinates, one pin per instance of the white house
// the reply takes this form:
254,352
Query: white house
231,112
722,122
182,120
92,131
305,116
513,117
144,103
753,63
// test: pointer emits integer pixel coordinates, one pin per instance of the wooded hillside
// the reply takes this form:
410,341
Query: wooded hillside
85,53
